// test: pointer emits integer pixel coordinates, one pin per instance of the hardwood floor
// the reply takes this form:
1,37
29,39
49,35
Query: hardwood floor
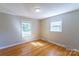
37,48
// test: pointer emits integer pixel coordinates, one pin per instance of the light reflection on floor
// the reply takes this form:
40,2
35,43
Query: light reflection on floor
37,44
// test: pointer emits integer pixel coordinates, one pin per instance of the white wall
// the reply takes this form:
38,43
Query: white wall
10,30
69,37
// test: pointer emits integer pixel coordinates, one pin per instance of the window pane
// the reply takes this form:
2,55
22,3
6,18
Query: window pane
56,26
26,29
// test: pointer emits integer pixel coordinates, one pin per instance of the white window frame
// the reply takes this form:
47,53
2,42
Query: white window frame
25,34
56,26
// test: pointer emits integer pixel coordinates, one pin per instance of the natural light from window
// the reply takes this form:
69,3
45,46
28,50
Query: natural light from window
26,29
56,26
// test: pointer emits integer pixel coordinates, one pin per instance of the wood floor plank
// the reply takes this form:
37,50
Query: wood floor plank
38,48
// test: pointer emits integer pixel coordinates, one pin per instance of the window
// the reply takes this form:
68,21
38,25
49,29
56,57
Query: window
56,26
26,29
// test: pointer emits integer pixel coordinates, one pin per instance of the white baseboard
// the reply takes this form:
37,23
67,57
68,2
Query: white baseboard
61,45
16,44
55,43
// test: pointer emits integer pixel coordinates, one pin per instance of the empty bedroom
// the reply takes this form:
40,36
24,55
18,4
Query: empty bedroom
39,29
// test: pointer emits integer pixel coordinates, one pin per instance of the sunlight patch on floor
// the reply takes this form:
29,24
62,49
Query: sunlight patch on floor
37,44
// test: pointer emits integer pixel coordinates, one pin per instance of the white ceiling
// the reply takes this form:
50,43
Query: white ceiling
46,9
